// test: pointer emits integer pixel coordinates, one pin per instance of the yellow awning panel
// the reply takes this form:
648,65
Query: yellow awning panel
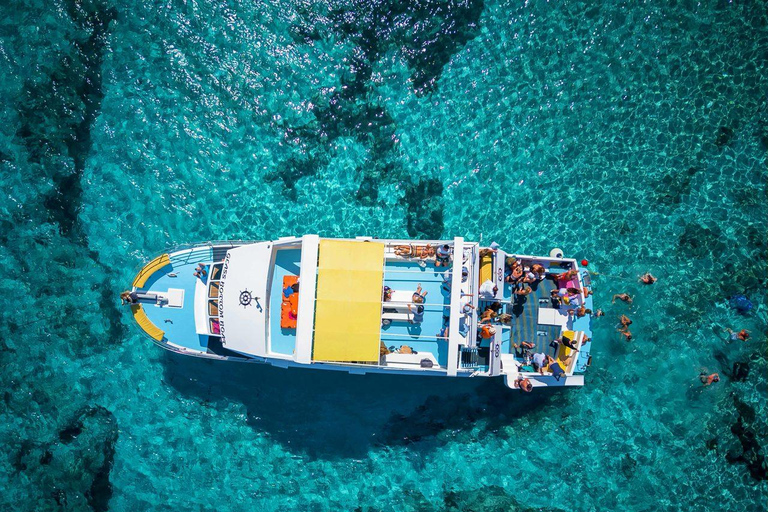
350,276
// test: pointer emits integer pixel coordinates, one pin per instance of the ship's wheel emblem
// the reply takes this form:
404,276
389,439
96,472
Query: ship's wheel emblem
245,298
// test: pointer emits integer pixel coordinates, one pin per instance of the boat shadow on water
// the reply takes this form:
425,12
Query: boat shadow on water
329,414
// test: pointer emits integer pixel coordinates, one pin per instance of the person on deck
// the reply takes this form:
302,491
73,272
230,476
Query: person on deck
556,368
488,289
488,315
443,256
540,361
129,298
290,290
523,291
417,313
419,295
524,384
566,342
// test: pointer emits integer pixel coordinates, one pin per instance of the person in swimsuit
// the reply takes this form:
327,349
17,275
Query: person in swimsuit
487,315
523,350
415,251
387,294
625,321
566,342
742,335
523,290
708,379
419,295
622,296
627,335
647,278
524,384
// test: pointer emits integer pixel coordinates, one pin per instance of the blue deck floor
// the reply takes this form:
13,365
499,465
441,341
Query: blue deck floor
178,323
287,263
421,337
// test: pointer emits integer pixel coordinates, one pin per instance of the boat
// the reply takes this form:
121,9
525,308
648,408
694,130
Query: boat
442,308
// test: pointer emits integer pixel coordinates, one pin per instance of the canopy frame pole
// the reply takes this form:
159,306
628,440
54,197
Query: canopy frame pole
454,337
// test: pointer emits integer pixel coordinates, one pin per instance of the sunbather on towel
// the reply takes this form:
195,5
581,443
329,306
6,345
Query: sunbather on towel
415,251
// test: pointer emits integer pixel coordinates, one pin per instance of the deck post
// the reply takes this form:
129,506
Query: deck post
305,322
454,336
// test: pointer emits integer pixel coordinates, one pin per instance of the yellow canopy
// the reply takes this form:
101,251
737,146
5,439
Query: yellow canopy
350,277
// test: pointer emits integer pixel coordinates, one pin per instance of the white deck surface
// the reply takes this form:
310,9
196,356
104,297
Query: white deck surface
243,327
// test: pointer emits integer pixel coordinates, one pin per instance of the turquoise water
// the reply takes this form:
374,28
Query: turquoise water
633,134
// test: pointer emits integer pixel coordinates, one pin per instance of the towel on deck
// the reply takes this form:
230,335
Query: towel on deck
290,307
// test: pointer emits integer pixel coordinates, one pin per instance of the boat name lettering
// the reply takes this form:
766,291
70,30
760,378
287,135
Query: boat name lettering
222,282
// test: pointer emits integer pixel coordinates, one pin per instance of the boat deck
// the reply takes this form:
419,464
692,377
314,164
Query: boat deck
525,326
405,276
287,263
178,323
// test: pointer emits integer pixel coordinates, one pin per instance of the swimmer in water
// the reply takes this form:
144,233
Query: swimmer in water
622,296
647,278
625,321
742,335
599,313
627,335
708,379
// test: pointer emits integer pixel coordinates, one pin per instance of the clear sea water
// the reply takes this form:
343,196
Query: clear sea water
633,134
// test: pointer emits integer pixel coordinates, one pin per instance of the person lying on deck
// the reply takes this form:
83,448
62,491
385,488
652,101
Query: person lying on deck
415,251
556,368
488,289
129,298
566,342
419,295
290,290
